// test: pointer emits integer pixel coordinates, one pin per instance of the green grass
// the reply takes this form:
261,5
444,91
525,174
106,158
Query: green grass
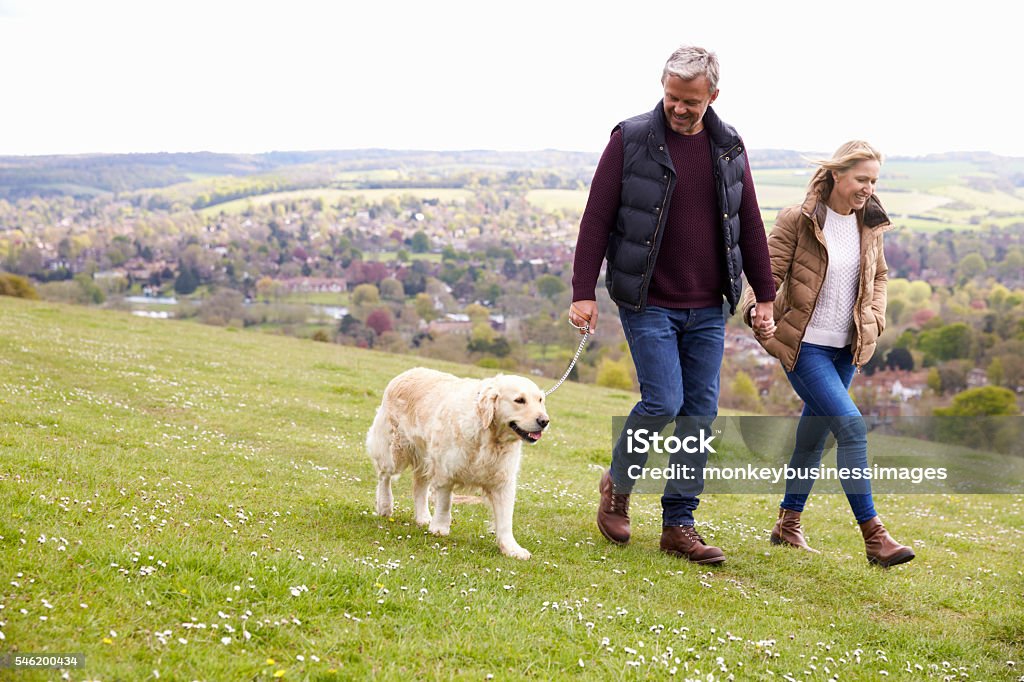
388,256
779,196
784,177
558,199
907,188
73,189
928,175
340,298
377,175
994,201
904,193
196,501
775,197
911,202
921,225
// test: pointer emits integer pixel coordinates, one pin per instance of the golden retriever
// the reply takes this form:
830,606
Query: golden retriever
456,433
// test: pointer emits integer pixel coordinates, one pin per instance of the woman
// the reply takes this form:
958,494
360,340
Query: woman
830,275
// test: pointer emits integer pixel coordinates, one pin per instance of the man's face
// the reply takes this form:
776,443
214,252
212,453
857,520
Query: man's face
686,102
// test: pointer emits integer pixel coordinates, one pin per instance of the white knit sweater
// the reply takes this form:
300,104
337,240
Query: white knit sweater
832,321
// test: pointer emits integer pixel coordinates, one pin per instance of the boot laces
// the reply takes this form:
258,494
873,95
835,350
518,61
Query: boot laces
691,534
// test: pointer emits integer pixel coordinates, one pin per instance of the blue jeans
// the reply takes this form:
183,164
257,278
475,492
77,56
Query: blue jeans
821,378
678,359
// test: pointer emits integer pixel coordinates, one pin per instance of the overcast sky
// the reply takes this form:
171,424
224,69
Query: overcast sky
82,76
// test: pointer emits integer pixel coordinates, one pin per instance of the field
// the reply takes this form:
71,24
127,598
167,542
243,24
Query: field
332,196
921,196
194,503
558,199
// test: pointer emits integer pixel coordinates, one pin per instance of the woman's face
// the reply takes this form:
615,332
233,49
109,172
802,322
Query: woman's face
854,187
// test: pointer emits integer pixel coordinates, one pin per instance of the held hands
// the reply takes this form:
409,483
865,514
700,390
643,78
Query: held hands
762,319
582,313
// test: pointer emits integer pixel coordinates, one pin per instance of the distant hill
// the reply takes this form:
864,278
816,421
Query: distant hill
104,174
956,189
94,174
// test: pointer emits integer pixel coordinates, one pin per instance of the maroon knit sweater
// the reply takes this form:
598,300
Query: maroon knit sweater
690,270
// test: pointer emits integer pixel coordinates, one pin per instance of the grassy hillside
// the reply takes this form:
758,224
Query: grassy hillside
195,503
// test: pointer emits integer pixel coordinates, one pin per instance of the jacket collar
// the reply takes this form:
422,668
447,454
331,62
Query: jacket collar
658,123
723,135
872,216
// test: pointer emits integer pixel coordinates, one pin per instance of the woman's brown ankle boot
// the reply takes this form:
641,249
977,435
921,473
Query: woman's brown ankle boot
880,546
787,531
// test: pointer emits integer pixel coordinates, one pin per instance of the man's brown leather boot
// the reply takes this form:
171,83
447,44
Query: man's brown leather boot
787,531
686,542
613,512
880,546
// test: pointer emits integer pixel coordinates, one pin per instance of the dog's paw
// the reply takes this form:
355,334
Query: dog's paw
385,509
423,521
440,531
516,552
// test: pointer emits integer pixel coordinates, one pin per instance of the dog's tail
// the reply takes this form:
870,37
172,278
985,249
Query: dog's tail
378,445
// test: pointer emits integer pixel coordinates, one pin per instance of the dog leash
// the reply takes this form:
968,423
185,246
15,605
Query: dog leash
586,335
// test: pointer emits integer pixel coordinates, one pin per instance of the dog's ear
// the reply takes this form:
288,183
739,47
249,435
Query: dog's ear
486,402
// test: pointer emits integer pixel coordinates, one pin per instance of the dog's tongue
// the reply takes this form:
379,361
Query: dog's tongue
536,435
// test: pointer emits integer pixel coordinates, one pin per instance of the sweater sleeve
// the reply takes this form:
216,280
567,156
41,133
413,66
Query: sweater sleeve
598,220
753,243
781,250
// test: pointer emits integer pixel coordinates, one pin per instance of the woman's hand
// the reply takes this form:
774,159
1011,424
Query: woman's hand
762,319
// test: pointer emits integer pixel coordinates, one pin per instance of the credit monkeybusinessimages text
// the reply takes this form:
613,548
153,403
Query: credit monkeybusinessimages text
750,472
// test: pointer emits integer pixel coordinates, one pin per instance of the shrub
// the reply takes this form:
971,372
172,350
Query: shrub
744,393
380,320
16,286
614,374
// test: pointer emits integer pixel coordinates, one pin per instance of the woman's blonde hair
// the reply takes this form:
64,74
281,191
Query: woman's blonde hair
844,158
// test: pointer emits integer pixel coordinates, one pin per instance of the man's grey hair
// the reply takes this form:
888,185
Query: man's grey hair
689,62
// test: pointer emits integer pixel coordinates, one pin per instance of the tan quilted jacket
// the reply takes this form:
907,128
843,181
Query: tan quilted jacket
799,260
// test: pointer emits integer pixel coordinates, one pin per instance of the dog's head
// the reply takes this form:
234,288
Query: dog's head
513,404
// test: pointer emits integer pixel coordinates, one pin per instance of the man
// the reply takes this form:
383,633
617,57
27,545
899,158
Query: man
672,207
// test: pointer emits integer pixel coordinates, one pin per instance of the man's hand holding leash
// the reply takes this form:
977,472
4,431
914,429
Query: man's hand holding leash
583,315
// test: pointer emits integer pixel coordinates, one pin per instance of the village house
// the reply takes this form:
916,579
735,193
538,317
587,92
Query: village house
331,285
452,323
976,378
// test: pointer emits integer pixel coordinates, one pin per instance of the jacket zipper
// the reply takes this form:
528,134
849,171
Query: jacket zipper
661,220
654,240
861,284
726,233
730,151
